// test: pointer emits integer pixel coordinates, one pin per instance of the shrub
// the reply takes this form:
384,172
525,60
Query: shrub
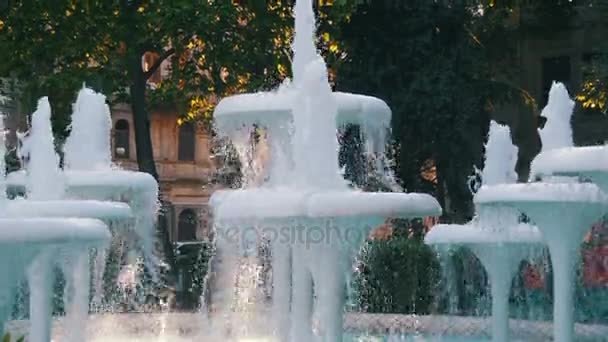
397,275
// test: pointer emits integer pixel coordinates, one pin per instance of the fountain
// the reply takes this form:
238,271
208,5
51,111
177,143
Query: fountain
89,173
25,239
562,208
313,221
89,177
45,188
53,193
34,233
495,236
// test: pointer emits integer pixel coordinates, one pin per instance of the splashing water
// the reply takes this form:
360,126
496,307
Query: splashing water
45,180
500,156
88,146
2,160
557,132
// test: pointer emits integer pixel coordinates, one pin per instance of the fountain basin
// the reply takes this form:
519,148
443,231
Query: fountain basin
500,251
541,192
287,202
268,108
67,208
102,184
589,162
471,234
570,160
23,239
563,213
314,235
46,231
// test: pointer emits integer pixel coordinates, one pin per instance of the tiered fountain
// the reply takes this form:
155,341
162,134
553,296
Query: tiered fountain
562,207
89,173
312,219
40,231
495,236
53,193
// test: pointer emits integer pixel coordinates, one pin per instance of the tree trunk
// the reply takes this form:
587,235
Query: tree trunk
141,121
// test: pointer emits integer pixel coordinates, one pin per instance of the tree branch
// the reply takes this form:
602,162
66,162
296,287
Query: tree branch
166,54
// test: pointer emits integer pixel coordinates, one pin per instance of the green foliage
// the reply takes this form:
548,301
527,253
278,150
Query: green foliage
7,338
192,262
215,48
438,70
593,94
396,276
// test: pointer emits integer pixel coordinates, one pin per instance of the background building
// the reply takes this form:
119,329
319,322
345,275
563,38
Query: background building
184,164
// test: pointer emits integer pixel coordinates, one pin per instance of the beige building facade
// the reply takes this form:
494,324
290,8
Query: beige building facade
183,160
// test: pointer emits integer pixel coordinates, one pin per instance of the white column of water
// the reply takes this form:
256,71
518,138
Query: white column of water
99,268
330,282
564,246
44,182
501,262
12,267
243,144
2,160
557,131
220,284
88,146
302,297
281,279
77,272
315,157
500,157
375,136
280,145
40,278
7,282
314,111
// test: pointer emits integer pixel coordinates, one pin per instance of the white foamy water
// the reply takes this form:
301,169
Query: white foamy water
300,187
557,131
500,156
88,147
44,177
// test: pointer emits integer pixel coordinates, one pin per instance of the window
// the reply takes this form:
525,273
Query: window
121,139
148,60
187,225
185,148
555,69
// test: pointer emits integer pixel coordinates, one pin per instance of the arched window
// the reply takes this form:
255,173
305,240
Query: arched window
121,139
148,60
187,225
185,148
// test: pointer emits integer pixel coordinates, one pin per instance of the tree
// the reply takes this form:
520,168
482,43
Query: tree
214,48
441,71
593,94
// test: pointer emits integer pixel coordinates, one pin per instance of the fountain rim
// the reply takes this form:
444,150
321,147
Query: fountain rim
110,178
281,102
261,204
67,208
475,234
567,160
540,192
53,230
